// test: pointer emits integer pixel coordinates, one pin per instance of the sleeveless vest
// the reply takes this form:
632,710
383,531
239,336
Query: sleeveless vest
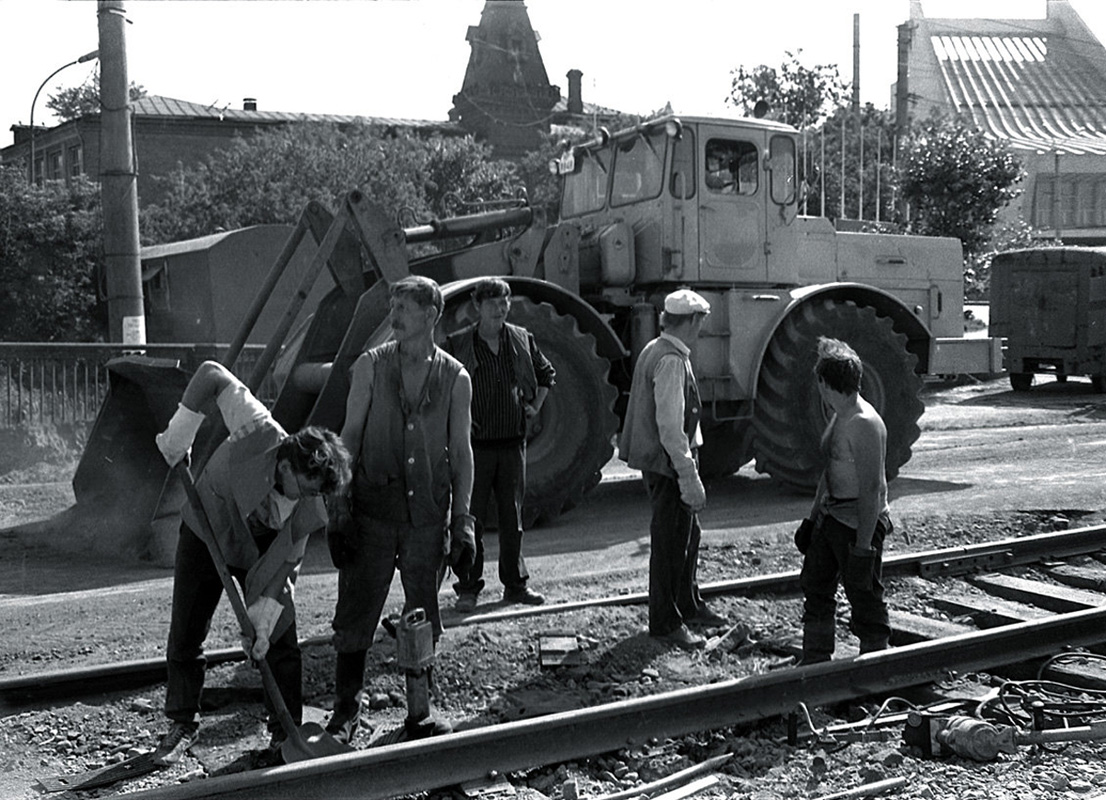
640,445
404,473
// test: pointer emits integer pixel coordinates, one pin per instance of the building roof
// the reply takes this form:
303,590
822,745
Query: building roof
159,106
1040,84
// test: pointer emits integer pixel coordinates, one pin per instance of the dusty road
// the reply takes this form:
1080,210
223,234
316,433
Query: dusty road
983,448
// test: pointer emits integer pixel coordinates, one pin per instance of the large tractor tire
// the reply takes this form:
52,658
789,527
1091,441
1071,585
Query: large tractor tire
573,436
790,417
727,447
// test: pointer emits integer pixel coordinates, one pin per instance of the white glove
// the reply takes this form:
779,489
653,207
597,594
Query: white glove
176,440
692,491
263,613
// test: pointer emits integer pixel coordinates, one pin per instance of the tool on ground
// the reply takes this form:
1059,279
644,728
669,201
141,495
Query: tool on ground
980,740
133,767
305,741
415,656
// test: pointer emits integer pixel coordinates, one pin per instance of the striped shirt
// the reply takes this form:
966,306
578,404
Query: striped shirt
496,408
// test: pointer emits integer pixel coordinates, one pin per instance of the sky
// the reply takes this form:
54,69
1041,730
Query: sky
406,58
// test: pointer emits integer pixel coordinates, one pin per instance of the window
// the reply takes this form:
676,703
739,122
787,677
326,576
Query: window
56,171
682,183
730,167
781,163
74,160
155,285
585,189
638,168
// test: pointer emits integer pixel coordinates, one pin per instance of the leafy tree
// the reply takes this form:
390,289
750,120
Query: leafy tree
956,179
77,101
800,96
51,240
271,176
820,163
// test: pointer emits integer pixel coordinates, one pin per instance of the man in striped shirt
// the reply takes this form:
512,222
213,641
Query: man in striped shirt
510,381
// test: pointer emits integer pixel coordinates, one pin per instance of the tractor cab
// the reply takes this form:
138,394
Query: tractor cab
691,200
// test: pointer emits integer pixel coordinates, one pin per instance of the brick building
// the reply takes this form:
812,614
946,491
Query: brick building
1039,84
168,133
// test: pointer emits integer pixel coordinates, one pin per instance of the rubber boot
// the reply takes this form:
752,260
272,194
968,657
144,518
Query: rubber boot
349,679
818,642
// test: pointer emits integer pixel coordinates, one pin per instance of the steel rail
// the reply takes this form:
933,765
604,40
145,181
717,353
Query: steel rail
946,561
927,563
413,767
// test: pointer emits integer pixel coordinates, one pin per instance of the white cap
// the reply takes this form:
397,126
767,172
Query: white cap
685,301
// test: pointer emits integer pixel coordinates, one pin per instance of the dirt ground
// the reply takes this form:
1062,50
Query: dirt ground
60,608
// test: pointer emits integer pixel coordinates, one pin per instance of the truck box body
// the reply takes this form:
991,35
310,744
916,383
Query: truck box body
1050,305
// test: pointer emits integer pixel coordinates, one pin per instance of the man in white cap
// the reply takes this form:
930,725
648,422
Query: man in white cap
661,436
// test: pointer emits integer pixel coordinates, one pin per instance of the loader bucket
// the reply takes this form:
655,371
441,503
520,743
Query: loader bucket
121,475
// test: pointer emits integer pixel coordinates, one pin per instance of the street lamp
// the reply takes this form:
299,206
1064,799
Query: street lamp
81,60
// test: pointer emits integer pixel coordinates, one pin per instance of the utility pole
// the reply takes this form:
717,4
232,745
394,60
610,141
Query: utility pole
859,118
902,100
119,182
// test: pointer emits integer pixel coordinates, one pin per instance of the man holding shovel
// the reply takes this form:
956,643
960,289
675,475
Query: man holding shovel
260,494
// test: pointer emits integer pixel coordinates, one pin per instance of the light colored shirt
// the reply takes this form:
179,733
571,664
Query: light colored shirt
668,394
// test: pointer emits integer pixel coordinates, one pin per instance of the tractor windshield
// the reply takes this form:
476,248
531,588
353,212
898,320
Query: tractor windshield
585,188
638,168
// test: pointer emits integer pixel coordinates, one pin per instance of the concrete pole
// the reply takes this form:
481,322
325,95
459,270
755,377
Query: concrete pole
119,182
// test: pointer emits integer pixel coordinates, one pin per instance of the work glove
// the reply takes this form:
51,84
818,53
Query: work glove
175,441
692,492
803,535
462,544
860,569
339,530
263,613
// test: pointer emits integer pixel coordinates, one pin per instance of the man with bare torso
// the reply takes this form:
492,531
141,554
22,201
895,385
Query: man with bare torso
843,537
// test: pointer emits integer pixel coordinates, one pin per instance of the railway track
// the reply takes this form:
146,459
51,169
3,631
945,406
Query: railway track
1005,603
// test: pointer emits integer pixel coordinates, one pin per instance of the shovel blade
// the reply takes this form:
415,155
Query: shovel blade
311,741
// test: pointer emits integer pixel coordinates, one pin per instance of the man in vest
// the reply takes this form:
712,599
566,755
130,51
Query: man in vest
260,492
510,380
407,429
661,436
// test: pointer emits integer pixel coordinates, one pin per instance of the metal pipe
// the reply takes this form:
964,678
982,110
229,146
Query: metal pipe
469,224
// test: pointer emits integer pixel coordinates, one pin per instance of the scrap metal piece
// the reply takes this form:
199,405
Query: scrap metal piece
559,649
133,767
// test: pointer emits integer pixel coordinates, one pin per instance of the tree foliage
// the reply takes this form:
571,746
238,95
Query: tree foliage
956,180
270,177
77,101
799,95
51,240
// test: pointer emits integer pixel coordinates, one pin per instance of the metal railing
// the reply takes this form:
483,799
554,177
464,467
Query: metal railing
45,383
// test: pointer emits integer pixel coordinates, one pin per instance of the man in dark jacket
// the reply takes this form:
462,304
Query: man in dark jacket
510,381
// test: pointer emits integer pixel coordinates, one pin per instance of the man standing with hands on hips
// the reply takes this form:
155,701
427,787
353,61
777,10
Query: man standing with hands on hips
661,437
510,380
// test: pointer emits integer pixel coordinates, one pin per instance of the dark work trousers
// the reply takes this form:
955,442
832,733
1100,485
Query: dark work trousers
498,469
824,564
673,556
196,592
374,552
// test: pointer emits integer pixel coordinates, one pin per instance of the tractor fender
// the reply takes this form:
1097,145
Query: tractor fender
608,345
905,320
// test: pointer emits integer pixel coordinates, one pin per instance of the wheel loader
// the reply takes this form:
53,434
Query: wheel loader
705,203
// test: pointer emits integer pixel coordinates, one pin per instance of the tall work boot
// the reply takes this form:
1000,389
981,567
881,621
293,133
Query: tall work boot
818,641
349,679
